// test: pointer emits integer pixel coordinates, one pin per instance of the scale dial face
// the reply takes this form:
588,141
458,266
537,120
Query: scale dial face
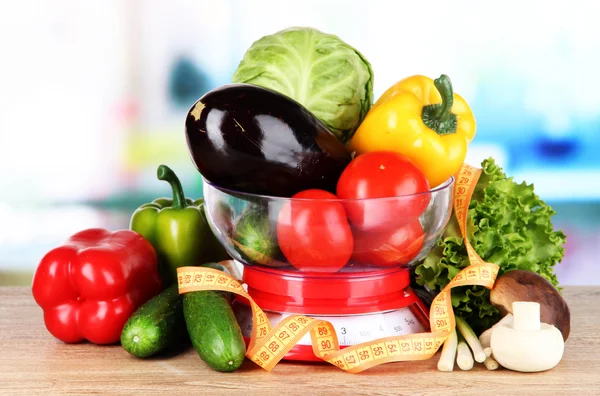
351,329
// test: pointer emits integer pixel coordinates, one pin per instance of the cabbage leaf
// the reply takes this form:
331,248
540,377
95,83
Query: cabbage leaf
330,78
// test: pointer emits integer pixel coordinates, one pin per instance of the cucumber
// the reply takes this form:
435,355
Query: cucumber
213,329
155,325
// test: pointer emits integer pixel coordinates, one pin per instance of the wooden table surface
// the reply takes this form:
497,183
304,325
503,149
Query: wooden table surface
34,363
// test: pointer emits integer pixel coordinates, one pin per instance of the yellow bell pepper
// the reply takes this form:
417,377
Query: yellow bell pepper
422,119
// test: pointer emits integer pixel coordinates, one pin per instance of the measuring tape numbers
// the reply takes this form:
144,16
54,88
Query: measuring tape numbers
268,345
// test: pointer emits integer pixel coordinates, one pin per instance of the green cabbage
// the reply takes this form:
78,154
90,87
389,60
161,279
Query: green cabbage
507,225
327,76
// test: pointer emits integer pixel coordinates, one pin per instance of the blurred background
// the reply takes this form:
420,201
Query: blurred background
93,97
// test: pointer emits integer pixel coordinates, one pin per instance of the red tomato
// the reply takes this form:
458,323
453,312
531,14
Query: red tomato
381,174
389,248
313,233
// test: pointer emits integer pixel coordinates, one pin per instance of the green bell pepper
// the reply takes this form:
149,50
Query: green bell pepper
178,229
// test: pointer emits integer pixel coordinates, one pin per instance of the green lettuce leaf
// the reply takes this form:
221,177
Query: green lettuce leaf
509,225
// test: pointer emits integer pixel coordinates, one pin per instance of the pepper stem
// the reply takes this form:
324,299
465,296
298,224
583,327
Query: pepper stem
439,116
165,173
444,87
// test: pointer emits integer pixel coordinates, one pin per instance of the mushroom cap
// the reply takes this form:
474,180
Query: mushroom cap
522,285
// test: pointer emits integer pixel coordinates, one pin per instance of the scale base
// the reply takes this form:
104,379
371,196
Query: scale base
350,329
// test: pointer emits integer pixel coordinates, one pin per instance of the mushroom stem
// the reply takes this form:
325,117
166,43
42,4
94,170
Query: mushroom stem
527,316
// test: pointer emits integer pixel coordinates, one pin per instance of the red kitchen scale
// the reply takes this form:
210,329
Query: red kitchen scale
363,301
362,306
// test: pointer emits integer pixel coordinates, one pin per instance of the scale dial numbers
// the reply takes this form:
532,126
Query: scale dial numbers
351,330
354,330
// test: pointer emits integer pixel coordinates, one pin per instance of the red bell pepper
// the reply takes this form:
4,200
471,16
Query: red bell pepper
91,285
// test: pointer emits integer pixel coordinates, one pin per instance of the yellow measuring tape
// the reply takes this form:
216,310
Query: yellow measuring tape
269,345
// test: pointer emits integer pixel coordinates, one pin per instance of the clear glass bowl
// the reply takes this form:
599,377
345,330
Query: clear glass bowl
328,235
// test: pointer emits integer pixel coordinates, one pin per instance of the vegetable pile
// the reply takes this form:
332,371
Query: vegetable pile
327,181
366,197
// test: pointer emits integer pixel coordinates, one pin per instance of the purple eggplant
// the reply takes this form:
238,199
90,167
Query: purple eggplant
251,139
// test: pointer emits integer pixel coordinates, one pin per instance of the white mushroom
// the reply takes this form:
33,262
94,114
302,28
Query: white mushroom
486,337
527,345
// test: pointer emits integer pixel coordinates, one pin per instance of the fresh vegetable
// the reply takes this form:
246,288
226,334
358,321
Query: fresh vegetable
213,329
388,175
424,120
527,345
177,229
155,325
464,357
254,140
255,236
159,322
491,364
508,225
520,285
485,340
389,248
467,348
471,340
448,355
326,75
92,284
313,232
